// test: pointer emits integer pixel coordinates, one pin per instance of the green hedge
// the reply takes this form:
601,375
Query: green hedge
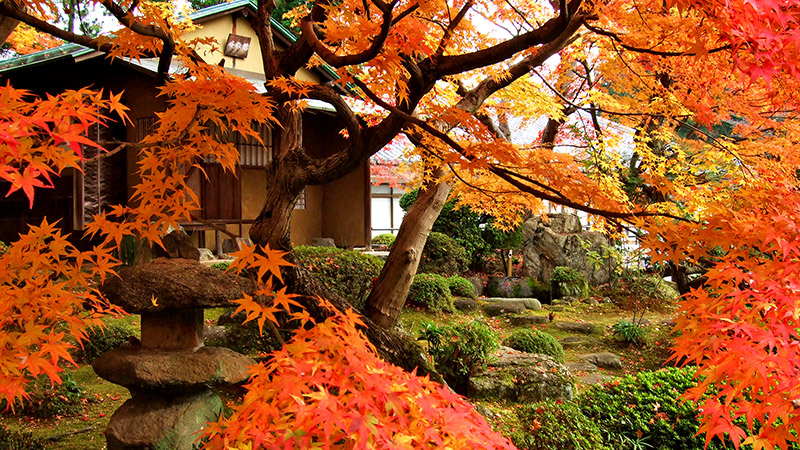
556,426
349,273
647,404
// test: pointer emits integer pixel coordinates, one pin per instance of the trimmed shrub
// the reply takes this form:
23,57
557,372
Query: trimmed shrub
349,273
459,350
432,292
535,341
646,404
100,340
556,425
443,255
567,282
461,287
383,240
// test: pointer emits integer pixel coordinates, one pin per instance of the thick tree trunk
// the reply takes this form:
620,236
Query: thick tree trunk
386,300
284,183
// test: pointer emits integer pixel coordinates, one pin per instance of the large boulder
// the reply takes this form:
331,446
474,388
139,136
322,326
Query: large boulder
522,377
559,240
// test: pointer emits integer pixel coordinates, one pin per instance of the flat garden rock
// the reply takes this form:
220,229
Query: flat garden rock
577,367
522,377
576,327
572,342
465,304
169,284
156,422
529,303
603,360
496,309
172,372
522,320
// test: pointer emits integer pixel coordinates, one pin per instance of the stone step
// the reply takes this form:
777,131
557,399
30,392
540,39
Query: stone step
604,360
576,327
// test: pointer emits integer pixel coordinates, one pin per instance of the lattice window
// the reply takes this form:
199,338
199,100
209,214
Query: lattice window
301,200
251,152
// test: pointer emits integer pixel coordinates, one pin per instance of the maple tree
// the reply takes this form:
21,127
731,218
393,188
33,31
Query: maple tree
441,73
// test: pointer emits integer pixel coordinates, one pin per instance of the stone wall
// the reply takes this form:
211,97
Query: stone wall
557,241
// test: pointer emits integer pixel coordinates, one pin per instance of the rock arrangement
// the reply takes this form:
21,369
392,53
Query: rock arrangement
522,377
169,372
558,241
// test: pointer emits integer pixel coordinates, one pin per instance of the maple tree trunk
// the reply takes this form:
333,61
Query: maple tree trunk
386,300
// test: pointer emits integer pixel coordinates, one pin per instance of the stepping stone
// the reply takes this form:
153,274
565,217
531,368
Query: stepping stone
572,342
496,309
603,360
529,303
576,327
594,378
465,304
526,320
576,367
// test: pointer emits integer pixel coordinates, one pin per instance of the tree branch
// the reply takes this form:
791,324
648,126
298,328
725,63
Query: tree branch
307,28
552,29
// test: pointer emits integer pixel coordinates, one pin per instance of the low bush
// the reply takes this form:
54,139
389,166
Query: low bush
629,332
535,341
383,240
18,440
567,282
645,409
102,339
47,400
349,273
461,287
223,266
556,425
432,292
459,350
243,338
443,255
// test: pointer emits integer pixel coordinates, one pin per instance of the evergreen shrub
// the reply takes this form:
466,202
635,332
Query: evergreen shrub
461,287
432,292
554,425
460,349
443,255
349,273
